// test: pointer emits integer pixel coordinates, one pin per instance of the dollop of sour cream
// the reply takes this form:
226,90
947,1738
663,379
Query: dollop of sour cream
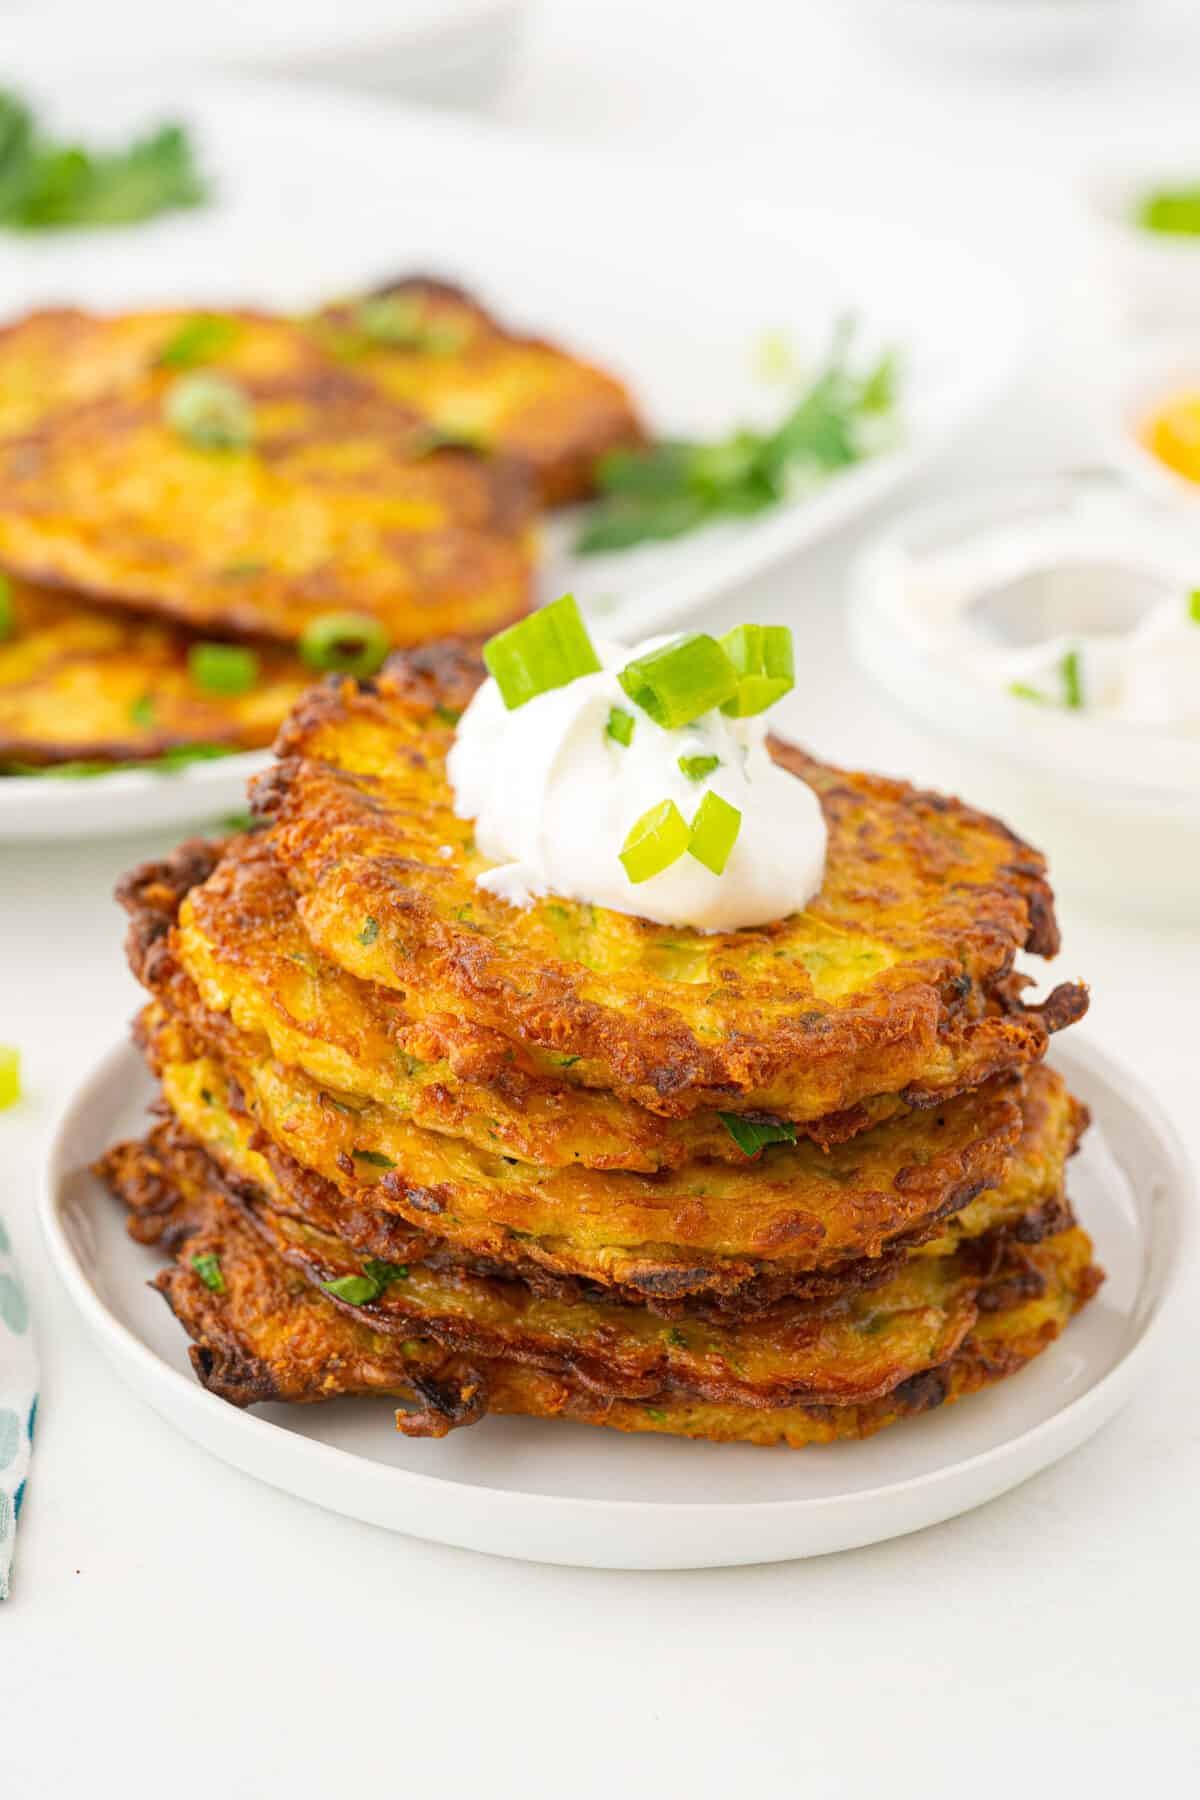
1148,676
1140,670
553,797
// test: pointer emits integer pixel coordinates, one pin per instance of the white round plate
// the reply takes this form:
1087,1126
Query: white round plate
44,808
573,1494
315,196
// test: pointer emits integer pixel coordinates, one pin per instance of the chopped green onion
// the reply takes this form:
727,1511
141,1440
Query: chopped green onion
345,643
10,1075
196,341
714,832
375,1158
244,570
1072,680
208,1268
697,767
142,711
7,609
549,649
223,668
1021,690
682,680
447,715
369,932
1193,608
752,1135
209,412
239,822
762,656
658,839
1173,210
386,1272
620,725
356,1290
402,322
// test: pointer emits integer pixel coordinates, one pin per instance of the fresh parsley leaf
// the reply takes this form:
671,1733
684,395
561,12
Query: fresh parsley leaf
753,1135
677,485
48,185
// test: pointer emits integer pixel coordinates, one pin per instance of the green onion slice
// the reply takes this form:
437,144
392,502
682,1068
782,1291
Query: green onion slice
762,656
682,680
208,1268
658,839
697,767
1193,608
549,649
620,725
8,612
1072,680
345,643
714,832
197,340
142,711
355,1289
223,668
209,412
752,1135
10,1075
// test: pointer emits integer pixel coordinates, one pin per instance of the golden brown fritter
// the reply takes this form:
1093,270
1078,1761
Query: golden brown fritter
896,979
240,950
709,1226
80,682
458,366
264,1330
335,505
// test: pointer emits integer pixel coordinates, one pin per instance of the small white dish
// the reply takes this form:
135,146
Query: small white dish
1149,376
1115,806
571,1494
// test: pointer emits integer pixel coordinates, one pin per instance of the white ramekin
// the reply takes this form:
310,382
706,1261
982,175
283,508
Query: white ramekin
1116,808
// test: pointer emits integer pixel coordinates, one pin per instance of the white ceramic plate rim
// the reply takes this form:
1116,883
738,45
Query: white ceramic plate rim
1068,1426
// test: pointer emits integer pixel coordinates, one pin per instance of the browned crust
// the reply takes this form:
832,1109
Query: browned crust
270,1335
813,1352
954,943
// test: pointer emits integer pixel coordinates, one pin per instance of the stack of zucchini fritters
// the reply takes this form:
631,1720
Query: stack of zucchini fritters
788,1184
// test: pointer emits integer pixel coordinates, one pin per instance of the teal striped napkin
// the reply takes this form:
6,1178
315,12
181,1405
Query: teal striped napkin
18,1403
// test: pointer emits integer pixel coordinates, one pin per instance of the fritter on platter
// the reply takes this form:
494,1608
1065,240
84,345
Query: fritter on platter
85,684
249,1292
430,345
896,979
259,493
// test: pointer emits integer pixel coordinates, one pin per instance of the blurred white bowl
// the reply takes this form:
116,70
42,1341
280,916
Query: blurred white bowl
1116,808
450,52
997,34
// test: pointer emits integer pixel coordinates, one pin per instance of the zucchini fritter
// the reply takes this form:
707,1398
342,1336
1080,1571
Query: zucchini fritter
239,949
896,979
263,1330
85,683
335,504
436,349
706,1227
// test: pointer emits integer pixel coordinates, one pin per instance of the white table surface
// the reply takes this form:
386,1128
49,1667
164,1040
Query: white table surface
177,1629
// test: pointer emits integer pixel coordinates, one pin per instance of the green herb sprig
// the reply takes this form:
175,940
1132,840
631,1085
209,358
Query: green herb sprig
679,485
47,184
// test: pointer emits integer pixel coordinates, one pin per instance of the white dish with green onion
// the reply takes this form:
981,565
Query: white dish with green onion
776,429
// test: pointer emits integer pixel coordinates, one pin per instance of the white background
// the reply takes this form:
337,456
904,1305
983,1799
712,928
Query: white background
178,1630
